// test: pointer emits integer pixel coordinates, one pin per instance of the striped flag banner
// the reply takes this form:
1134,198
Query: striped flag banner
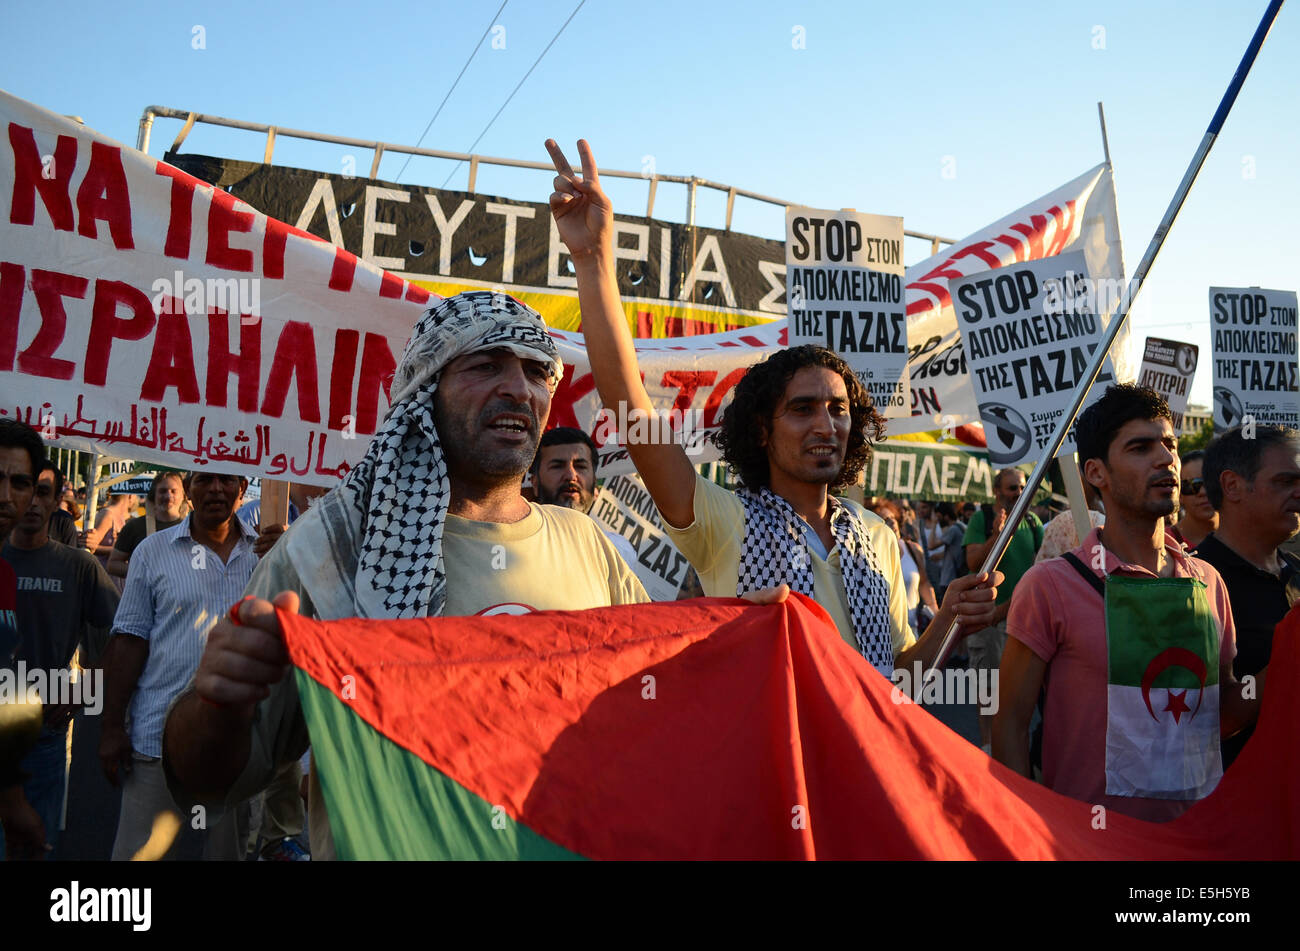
706,729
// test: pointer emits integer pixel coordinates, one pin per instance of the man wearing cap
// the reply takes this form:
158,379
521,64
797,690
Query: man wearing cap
431,522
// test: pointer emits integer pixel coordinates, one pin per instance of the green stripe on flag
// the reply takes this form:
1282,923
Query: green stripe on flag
386,803
1158,614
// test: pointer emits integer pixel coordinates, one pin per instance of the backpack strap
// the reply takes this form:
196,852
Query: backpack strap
1088,576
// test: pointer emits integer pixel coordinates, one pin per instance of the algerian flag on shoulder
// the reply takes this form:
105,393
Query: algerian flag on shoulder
1162,718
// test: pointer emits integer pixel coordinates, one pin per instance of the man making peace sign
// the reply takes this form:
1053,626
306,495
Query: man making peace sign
800,424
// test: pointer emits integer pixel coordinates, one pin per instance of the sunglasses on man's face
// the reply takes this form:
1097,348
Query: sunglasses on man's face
1193,486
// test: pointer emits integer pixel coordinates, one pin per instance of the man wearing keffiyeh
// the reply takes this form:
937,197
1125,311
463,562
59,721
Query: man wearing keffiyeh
431,522
800,424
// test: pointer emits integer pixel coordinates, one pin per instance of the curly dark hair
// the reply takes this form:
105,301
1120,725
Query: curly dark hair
749,415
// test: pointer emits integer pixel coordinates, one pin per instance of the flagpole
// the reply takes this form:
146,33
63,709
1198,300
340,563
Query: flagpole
1117,321
1105,142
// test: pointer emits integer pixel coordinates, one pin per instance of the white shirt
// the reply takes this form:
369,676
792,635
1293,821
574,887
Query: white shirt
176,591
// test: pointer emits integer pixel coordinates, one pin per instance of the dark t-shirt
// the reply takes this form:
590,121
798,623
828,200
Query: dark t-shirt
63,528
133,533
60,591
12,749
8,619
1259,602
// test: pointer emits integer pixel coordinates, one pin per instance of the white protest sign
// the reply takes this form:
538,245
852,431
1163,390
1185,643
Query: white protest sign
1254,338
1168,367
1029,331
844,291
625,508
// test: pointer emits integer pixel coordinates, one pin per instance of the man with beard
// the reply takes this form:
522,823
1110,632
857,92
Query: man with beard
431,522
564,473
1125,631
564,469
180,578
799,424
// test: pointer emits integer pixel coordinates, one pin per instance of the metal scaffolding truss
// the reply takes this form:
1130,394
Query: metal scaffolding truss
652,181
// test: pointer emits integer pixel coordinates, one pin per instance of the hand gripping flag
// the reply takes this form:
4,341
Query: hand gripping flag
708,729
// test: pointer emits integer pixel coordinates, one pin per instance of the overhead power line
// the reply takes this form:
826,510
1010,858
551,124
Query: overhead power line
474,52
516,89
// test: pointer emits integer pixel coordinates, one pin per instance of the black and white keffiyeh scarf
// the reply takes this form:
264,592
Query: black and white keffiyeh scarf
373,546
775,551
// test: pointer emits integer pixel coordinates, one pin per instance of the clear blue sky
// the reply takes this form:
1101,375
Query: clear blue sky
864,116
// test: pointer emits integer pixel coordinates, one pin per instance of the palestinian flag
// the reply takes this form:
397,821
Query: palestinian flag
1162,714
705,729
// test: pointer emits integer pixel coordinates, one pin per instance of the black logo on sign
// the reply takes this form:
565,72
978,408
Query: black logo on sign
1227,407
1007,434
1186,360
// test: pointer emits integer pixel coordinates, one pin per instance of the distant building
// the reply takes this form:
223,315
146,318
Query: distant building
1195,417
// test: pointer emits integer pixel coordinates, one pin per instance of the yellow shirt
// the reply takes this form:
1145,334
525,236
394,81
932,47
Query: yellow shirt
713,543
553,559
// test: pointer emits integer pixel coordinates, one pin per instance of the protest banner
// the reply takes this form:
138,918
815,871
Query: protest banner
1078,216
1253,334
136,485
1168,367
1029,332
476,236
902,468
844,292
676,280
147,315
624,507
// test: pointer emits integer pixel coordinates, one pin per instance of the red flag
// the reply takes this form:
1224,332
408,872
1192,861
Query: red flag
707,729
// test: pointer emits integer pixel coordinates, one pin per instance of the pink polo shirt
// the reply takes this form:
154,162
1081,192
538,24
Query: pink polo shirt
1061,618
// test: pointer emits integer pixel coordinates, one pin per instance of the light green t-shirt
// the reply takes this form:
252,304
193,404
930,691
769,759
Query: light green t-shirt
1019,556
713,543
555,559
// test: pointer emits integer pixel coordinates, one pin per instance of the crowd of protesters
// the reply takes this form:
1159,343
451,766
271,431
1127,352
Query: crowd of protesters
202,728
